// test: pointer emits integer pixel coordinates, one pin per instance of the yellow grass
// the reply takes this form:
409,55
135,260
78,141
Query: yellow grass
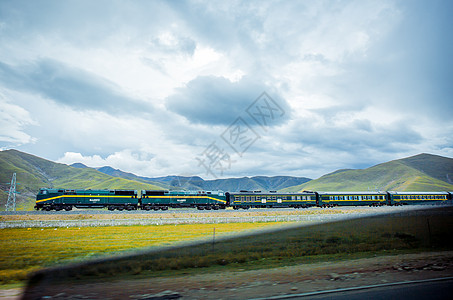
25,250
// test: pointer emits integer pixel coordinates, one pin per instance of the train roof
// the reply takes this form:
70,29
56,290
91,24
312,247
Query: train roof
352,193
417,193
271,193
54,190
184,192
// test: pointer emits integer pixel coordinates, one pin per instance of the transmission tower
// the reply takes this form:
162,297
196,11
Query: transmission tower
11,204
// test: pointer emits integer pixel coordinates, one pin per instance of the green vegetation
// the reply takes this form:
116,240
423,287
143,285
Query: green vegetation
26,250
34,172
410,174
425,231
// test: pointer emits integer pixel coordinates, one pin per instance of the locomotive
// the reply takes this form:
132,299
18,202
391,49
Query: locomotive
63,199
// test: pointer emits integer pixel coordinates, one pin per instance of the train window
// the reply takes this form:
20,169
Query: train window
373,197
330,197
308,197
303,198
274,198
293,197
360,198
258,198
336,197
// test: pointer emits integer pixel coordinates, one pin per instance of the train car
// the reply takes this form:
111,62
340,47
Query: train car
258,199
330,199
162,199
405,198
59,199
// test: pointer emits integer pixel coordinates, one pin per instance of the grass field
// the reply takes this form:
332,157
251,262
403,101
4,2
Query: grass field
26,250
403,232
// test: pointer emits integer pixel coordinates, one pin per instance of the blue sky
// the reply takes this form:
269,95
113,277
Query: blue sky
226,88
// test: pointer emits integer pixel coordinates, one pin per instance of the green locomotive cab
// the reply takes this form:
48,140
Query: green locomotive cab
163,199
258,199
405,198
331,199
59,199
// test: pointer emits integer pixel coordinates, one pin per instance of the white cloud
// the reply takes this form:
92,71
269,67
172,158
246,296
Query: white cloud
138,86
14,121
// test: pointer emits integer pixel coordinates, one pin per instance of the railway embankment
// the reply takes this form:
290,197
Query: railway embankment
89,218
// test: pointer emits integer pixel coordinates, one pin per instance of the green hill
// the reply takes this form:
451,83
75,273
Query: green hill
423,172
34,172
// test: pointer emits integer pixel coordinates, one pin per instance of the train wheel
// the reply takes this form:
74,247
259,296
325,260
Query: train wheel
235,207
215,207
48,208
120,208
200,207
68,207
156,208
164,208
208,207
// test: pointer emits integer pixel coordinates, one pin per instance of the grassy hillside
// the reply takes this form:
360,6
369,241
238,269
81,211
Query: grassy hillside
432,165
398,175
34,172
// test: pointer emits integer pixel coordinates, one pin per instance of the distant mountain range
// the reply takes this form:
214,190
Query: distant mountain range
424,172
262,183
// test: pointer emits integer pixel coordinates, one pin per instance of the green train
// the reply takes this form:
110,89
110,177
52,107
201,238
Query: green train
258,199
200,199
59,199
63,199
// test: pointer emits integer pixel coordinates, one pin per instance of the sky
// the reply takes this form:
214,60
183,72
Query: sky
224,89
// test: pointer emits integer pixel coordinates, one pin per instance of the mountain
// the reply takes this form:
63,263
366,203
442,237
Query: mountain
78,166
263,183
423,172
34,172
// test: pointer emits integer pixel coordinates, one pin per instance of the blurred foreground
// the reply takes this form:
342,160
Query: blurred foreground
396,247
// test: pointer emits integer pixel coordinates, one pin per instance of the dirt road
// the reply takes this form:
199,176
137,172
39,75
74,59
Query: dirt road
247,284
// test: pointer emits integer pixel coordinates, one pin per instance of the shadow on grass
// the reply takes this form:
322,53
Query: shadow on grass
428,229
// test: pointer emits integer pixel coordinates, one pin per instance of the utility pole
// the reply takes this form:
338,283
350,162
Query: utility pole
11,204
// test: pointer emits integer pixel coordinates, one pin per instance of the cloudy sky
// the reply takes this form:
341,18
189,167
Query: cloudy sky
226,88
